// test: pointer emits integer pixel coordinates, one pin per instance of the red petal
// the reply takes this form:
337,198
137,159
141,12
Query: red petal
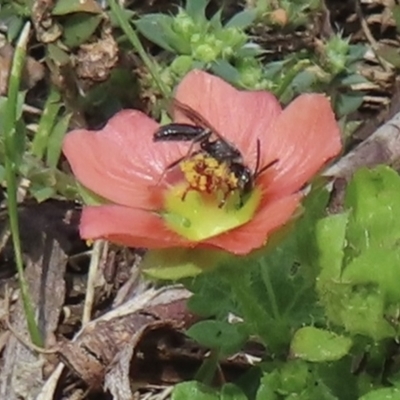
129,227
239,116
303,138
120,161
255,233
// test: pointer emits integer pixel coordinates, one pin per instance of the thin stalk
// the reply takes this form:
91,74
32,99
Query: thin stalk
11,142
134,39
207,371
270,293
95,258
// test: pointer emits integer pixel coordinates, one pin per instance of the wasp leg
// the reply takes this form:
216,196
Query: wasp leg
203,136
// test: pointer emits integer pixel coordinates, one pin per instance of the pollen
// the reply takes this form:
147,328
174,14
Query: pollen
206,174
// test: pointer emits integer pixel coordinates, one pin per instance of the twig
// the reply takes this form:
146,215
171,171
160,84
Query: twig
368,34
98,247
382,147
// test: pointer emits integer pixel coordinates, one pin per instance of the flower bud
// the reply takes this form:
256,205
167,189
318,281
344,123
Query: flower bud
181,65
183,24
206,53
336,51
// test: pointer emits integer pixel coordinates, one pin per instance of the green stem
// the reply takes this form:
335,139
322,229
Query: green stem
46,123
270,292
12,141
206,372
133,37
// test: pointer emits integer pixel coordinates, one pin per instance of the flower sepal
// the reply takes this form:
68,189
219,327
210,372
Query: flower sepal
91,198
178,263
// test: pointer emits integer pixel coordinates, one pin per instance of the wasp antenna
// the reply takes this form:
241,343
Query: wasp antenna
258,157
265,167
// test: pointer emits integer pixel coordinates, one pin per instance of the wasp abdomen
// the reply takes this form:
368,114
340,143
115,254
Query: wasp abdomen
178,132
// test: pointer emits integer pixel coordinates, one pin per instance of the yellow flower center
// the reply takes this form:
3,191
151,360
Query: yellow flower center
205,174
209,200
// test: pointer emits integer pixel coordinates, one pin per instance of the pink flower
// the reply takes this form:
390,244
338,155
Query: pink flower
124,165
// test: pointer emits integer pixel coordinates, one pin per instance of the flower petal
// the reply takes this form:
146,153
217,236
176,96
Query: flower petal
120,161
241,117
255,233
129,227
303,138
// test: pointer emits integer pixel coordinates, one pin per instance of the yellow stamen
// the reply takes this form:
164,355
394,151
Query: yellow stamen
206,174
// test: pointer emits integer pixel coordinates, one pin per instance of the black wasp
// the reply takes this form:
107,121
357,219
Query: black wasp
212,143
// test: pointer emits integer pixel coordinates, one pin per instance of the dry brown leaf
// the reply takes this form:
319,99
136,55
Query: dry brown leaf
90,354
46,29
95,61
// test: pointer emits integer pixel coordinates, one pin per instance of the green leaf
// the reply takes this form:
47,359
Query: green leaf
2,173
231,392
390,54
356,52
63,7
157,29
301,82
290,378
293,377
295,380
226,71
382,394
216,21
373,195
353,79
41,193
60,57
197,391
196,9
78,28
193,391
242,20
379,266
211,295
249,50
339,376
54,144
66,186
347,103
318,345
360,310
46,123
221,335
14,27
331,239
19,143
125,12
396,16
18,111
265,392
